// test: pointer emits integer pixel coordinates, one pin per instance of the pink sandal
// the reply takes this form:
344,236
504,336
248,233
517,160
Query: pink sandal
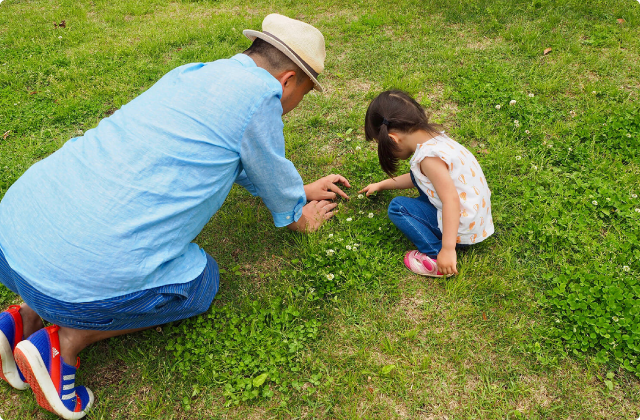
422,264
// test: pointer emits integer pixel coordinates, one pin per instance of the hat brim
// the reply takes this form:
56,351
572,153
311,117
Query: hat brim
252,35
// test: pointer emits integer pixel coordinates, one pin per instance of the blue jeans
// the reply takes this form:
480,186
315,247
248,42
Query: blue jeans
417,218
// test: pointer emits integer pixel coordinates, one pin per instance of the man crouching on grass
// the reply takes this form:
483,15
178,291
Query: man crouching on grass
96,238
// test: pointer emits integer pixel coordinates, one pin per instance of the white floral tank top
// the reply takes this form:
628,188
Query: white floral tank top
476,223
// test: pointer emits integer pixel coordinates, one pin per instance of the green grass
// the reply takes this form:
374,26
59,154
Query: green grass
541,322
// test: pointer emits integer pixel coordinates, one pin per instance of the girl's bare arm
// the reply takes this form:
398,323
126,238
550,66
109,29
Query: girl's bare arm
401,182
438,173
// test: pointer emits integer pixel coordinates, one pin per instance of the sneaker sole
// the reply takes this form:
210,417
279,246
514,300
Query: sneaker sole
34,370
9,371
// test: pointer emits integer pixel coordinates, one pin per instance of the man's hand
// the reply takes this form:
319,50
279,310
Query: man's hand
447,261
372,188
326,188
313,216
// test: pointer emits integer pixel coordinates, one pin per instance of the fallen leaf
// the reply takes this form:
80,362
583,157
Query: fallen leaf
485,151
547,51
371,390
5,135
484,316
33,93
621,21
474,143
62,24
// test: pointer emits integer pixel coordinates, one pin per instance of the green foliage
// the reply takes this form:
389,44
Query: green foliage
596,312
246,349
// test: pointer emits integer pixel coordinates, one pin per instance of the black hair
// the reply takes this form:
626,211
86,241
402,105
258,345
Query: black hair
394,111
276,59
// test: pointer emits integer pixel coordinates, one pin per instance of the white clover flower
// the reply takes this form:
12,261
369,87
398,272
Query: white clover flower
498,107
594,202
482,145
550,145
527,131
615,318
331,235
360,196
594,92
348,247
349,219
608,199
330,252
358,147
356,244
535,168
628,135
516,123
637,210
370,215
572,113
626,268
557,320
570,149
380,228
518,157
60,37
531,95
360,212
330,276
340,239
512,102
634,195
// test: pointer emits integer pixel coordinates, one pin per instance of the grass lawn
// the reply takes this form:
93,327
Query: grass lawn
543,320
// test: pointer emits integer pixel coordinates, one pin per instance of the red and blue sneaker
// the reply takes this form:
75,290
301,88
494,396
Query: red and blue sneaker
10,336
51,379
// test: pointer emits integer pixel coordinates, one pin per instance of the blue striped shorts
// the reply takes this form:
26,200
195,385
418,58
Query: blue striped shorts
145,308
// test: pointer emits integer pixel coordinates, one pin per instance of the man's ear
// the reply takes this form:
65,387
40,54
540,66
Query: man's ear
286,79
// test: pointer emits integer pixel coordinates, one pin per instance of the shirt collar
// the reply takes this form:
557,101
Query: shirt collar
244,59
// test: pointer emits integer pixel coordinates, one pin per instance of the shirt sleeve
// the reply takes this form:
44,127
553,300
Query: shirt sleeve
244,182
273,176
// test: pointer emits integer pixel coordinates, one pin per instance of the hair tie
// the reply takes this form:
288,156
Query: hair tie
385,122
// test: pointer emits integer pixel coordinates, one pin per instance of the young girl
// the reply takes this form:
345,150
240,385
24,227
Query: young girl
453,210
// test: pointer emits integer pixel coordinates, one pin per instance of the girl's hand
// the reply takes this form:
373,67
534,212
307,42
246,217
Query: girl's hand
371,188
447,261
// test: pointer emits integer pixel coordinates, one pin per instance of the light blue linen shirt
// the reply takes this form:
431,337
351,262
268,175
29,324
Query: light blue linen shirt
116,210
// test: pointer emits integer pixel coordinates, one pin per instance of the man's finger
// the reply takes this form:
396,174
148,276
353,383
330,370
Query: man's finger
341,179
328,215
330,206
337,190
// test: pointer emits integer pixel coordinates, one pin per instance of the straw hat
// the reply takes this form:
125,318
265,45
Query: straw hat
299,41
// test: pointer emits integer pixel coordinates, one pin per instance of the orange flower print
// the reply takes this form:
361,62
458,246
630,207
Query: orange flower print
484,233
472,172
461,161
473,238
476,190
431,193
471,225
464,213
463,196
458,240
482,181
461,179
463,153
481,221
476,207
484,203
452,148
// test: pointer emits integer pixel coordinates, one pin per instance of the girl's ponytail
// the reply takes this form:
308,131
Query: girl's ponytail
386,149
